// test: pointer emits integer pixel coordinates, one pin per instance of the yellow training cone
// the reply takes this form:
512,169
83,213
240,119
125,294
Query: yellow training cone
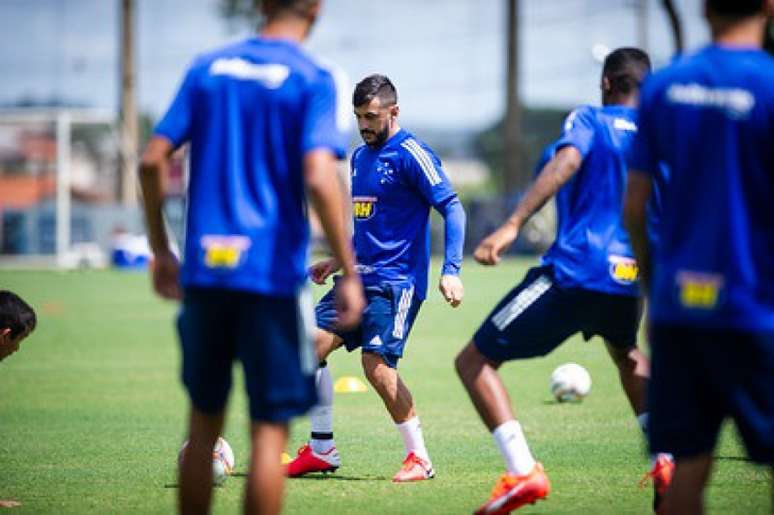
285,458
349,384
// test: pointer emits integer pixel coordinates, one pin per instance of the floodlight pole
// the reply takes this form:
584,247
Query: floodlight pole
514,179
62,220
129,130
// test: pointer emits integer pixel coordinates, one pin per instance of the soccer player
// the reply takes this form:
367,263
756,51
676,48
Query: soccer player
710,119
396,179
587,281
260,116
17,321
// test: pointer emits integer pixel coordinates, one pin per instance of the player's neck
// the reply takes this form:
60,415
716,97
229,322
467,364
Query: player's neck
620,100
747,33
395,129
290,28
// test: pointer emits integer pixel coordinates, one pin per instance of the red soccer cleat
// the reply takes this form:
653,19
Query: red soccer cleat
661,474
414,469
307,461
512,492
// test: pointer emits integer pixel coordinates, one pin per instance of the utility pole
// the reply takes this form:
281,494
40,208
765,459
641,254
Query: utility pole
129,131
514,178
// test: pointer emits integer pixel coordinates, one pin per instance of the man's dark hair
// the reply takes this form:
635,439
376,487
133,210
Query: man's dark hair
16,314
735,8
625,68
298,7
375,86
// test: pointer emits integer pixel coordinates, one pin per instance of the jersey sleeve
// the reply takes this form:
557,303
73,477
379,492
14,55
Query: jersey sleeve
324,126
578,131
178,120
641,156
423,170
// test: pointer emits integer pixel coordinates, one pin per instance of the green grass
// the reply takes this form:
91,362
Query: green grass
92,415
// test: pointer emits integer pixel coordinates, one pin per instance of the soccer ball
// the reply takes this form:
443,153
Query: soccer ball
222,460
570,382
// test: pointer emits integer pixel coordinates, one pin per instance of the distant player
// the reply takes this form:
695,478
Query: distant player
260,116
587,281
710,119
396,179
17,321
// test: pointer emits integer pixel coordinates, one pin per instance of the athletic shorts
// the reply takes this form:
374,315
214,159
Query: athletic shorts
538,315
699,377
391,309
272,338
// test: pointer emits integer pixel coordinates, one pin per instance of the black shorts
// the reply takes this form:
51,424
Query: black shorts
538,315
699,377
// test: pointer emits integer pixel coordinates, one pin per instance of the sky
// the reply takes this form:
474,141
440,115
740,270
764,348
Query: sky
446,57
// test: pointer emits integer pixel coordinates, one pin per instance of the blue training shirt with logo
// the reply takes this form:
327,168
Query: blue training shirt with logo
393,188
251,111
710,119
592,248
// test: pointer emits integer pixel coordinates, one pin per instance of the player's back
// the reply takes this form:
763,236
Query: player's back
710,119
592,249
251,110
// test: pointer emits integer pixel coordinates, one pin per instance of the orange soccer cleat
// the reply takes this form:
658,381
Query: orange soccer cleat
414,469
512,492
661,474
307,461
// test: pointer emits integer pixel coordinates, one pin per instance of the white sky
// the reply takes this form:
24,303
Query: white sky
445,56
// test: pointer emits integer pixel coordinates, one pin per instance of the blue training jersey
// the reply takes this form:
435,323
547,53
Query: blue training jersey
710,119
393,188
592,248
251,111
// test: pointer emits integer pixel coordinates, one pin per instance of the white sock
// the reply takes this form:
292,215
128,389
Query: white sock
322,414
513,446
411,431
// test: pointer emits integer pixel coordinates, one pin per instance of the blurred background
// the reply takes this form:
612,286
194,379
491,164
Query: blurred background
486,83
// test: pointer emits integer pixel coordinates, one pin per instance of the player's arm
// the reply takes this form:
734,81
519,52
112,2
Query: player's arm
638,190
325,194
450,284
153,168
554,174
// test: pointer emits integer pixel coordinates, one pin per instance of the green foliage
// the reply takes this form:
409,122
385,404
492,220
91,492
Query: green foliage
92,415
240,11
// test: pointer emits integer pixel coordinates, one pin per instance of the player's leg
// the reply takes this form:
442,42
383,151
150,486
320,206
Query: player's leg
685,494
195,492
633,371
266,475
279,365
531,320
208,351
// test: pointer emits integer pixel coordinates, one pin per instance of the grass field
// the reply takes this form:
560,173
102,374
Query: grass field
92,415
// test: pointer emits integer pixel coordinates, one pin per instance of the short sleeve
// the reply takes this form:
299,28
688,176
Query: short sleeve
177,122
423,169
641,155
578,131
324,127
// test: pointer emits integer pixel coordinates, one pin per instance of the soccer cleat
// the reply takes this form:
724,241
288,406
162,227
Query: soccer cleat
307,461
661,474
512,492
414,469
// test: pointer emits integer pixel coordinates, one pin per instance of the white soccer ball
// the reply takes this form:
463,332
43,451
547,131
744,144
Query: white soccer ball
222,460
570,382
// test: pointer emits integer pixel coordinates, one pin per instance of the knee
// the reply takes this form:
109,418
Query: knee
373,367
469,362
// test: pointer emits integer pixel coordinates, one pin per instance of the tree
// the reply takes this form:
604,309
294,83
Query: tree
240,11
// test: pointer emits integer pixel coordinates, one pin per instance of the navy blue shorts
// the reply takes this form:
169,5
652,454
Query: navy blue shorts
271,336
538,315
391,309
699,377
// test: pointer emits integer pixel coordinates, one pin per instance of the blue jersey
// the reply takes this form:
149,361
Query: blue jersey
251,111
393,188
710,119
592,249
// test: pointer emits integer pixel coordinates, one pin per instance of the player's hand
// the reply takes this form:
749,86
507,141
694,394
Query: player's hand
489,250
452,290
165,271
350,301
320,271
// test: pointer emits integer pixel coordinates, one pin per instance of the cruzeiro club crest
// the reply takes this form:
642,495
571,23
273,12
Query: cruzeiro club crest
363,208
